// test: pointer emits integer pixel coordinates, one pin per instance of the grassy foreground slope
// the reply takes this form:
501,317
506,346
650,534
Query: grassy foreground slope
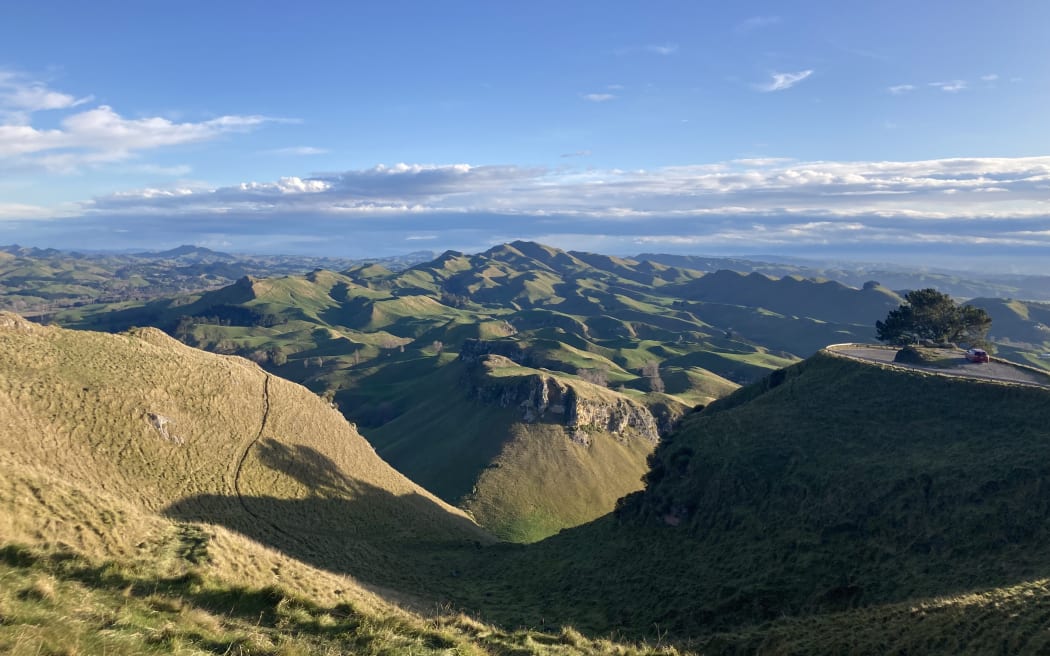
832,490
126,460
198,436
765,525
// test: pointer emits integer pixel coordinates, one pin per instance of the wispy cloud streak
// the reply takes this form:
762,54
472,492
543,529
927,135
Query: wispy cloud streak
783,81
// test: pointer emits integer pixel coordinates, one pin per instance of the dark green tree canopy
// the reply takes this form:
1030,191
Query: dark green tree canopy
929,314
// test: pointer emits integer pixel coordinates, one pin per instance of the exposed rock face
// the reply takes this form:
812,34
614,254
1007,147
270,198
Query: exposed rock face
546,398
162,424
615,417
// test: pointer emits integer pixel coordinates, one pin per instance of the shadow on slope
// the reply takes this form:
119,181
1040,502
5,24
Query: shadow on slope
345,525
829,486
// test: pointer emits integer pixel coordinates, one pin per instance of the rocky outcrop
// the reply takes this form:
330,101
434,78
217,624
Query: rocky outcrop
545,398
614,416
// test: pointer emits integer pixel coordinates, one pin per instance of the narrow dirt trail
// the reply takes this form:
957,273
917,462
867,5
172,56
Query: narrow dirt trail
244,456
251,445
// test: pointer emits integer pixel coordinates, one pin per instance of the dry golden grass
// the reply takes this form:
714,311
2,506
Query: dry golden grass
110,443
126,460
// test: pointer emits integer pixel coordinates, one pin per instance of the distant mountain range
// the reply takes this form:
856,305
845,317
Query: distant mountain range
41,281
961,284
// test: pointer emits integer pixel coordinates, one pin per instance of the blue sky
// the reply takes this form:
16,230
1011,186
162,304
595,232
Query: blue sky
891,130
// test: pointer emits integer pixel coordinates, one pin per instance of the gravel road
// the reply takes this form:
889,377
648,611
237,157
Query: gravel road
995,370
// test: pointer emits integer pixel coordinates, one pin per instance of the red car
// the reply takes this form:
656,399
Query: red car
977,355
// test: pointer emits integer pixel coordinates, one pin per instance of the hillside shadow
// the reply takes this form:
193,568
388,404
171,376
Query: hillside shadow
306,465
344,525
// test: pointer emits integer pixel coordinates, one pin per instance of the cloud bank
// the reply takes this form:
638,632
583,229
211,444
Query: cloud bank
966,205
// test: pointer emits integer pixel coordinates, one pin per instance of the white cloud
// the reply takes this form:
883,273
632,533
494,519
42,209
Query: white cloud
24,211
89,137
598,97
899,89
951,86
991,77
155,169
289,185
743,186
20,96
754,202
761,161
37,98
782,81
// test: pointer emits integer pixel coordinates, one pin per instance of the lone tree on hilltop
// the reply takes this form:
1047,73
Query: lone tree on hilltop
929,314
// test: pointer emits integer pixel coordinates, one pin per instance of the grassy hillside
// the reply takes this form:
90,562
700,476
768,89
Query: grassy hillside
1020,329
384,346
792,296
832,490
158,499
522,472
200,437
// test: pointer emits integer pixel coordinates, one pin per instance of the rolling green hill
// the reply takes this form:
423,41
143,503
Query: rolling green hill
387,347
824,300
843,495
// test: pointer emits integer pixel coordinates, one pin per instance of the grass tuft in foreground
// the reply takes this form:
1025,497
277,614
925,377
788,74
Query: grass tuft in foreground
58,602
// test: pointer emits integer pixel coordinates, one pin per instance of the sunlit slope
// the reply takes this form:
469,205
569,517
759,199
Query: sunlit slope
542,482
528,452
828,486
207,438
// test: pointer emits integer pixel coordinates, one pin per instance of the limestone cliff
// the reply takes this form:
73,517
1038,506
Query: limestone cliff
577,405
